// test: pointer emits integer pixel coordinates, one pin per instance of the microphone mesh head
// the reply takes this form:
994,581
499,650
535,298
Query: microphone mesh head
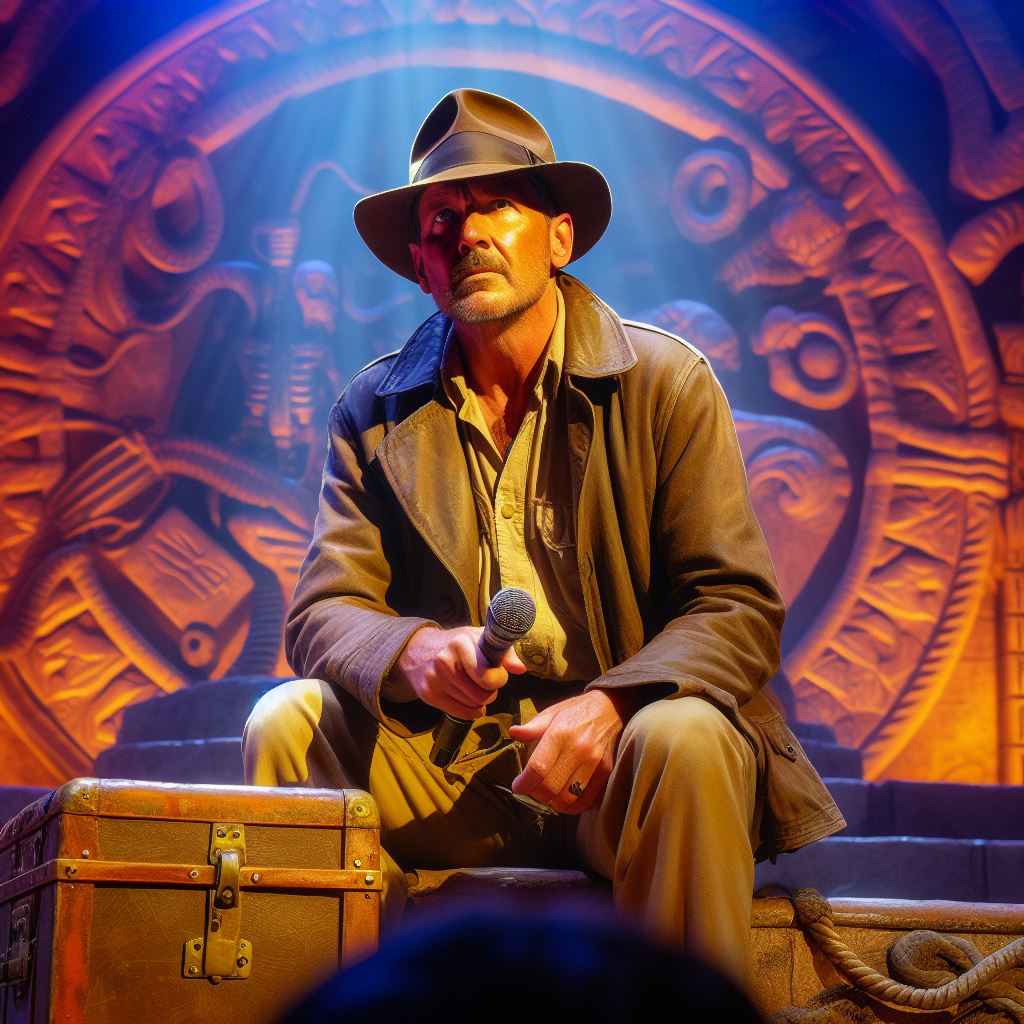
511,613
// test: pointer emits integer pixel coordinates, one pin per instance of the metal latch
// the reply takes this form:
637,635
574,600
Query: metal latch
221,954
16,965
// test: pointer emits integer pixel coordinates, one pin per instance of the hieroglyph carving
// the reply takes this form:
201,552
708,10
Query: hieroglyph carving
110,254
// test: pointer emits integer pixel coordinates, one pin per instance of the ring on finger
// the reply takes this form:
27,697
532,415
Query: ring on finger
576,788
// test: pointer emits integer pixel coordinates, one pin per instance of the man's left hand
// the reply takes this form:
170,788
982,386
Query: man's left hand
574,750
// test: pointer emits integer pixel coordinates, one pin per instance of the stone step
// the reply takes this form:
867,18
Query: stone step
787,965
940,809
903,867
832,760
217,708
216,760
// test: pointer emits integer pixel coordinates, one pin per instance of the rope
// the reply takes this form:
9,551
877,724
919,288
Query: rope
814,914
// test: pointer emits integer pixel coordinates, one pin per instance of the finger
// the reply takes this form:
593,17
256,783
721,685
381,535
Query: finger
547,771
453,680
532,730
452,702
461,688
591,796
584,789
471,660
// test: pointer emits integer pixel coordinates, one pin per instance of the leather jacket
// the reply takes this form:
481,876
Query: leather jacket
678,584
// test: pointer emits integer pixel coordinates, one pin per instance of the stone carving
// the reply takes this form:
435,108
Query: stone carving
710,195
116,284
800,486
975,63
703,327
928,971
31,30
811,361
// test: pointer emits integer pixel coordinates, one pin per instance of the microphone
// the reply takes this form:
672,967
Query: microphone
509,617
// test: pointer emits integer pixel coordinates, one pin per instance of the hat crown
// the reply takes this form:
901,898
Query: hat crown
482,113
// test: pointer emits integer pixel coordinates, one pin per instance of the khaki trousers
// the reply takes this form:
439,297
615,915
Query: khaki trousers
673,831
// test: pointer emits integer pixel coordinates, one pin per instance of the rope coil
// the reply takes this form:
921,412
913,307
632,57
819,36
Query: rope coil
814,914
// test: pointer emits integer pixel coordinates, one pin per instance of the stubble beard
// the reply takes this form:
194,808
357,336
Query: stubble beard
478,305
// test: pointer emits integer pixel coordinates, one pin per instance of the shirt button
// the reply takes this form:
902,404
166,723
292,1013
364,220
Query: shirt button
508,510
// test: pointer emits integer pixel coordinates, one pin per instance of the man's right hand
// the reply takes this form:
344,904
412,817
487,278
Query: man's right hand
446,670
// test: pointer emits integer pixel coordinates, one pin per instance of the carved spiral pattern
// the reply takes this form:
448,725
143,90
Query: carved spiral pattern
710,195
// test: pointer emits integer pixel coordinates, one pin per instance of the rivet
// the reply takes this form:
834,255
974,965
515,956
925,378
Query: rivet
193,969
85,854
215,926
236,834
360,809
71,870
368,879
357,863
242,961
229,894
367,896
194,873
221,833
197,946
255,876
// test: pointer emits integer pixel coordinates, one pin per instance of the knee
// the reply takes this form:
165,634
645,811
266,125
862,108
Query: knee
689,734
290,709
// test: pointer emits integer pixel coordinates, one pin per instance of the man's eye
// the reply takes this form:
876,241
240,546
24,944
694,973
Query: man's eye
443,216
502,204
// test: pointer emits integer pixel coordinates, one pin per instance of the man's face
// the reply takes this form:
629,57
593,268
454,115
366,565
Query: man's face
485,250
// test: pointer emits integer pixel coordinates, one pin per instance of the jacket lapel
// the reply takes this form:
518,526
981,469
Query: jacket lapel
422,459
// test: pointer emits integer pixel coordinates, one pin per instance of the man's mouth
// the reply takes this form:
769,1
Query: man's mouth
471,267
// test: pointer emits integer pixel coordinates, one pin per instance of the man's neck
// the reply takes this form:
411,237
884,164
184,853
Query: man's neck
501,356
502,360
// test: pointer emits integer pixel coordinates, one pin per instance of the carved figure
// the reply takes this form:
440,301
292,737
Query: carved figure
973,65
805,239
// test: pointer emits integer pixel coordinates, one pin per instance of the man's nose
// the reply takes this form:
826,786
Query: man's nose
473,233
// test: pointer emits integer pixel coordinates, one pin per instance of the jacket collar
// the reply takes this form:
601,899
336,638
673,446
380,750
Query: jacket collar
596,344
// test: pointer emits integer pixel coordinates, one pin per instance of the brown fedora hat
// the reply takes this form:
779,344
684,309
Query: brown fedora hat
470,134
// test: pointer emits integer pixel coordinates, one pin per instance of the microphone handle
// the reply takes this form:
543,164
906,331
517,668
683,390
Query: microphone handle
448,736
449,731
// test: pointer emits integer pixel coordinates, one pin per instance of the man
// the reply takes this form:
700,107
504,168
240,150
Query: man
527,436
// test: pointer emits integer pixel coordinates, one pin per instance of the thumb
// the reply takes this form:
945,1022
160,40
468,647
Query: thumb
511,662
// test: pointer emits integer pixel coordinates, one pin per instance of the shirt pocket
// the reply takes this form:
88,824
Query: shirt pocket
553,521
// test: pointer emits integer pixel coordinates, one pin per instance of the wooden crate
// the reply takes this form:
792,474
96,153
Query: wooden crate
133,901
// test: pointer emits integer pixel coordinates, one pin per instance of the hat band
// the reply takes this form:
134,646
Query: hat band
474,148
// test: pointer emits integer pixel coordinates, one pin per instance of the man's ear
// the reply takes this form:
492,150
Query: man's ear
417,265
561,240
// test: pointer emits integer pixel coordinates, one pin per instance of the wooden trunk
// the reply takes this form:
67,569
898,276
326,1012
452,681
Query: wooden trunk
141,902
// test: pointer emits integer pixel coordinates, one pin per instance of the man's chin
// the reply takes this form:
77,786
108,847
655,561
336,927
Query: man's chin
479,308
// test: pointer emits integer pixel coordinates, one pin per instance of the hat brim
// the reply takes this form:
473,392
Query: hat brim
384,221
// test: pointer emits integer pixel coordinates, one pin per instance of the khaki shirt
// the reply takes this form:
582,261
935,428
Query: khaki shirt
525,513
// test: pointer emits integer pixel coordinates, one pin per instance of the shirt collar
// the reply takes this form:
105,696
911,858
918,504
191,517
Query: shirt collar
595,343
